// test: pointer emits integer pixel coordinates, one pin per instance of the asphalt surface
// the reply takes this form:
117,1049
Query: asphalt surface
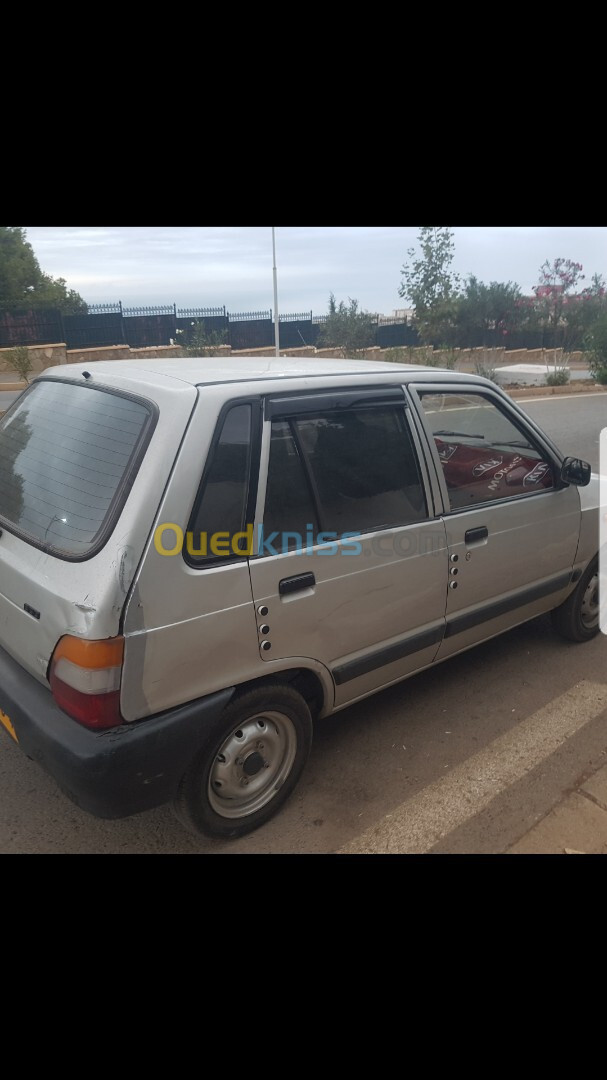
574,423
466,758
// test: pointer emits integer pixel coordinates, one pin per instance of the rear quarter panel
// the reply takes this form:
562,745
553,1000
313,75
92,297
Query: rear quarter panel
87,598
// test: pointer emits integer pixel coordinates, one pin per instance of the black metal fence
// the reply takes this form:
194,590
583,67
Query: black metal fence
141,327
211,320
102,325
251,330
42,327
391,334
297,330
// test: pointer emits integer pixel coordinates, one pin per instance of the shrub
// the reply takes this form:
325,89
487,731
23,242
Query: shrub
560,377
347,328
397,355
443,358
198,341
19,358
485,370
408,354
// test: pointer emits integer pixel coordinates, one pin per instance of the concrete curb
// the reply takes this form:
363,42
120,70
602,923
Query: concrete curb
554,391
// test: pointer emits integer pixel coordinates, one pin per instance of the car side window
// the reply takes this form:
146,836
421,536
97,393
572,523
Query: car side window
353,470
217,523
483,453
289,502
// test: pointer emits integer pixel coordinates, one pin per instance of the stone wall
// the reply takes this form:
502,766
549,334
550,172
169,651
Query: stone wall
44,356
119,352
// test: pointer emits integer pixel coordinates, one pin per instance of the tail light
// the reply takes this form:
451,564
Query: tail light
85,680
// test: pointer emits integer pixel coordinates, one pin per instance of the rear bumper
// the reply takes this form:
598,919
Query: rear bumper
111,774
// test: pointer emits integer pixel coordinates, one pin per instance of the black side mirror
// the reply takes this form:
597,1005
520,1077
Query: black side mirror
575,471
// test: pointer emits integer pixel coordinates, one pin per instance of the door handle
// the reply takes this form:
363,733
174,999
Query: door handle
474,535
296,583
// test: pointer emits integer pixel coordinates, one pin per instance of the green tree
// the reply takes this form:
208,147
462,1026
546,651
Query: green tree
583,310
596,342
497,306
429,283
24,285
347,328
552,294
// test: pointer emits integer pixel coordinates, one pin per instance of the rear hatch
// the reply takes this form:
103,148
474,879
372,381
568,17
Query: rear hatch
73,520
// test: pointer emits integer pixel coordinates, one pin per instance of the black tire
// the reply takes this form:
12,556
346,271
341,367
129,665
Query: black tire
249,766
578,618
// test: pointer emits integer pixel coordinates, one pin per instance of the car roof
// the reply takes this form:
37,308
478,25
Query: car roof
205,370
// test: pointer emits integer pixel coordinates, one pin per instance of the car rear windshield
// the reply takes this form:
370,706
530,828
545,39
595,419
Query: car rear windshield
68,456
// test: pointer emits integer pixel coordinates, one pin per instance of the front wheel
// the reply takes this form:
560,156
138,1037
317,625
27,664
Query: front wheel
578,618
250,765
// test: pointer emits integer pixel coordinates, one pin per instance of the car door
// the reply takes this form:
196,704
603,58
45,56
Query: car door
350,563
512,526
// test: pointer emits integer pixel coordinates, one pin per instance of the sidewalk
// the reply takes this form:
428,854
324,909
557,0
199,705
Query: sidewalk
577,825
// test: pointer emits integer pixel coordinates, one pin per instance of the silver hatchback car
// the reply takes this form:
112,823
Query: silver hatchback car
199,558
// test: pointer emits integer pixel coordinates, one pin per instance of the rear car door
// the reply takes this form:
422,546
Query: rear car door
512,527
350,562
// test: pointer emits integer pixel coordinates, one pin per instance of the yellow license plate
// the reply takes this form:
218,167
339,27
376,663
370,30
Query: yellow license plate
5,721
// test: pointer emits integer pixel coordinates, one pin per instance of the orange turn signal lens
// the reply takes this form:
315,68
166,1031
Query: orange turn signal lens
90,654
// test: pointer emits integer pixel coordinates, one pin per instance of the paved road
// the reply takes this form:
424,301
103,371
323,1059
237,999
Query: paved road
465,758
574,422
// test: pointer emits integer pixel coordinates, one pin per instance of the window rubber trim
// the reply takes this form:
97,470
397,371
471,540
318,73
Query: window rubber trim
204,562
297,403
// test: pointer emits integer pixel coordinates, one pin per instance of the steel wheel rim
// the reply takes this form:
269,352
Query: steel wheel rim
252,764
589,611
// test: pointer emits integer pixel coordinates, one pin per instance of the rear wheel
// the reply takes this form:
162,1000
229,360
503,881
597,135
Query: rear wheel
578,618
250,765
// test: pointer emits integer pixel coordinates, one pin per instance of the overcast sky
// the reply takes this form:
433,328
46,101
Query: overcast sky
213,266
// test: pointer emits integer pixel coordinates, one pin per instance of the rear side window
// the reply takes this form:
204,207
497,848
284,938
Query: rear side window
351,471
217,527
68,455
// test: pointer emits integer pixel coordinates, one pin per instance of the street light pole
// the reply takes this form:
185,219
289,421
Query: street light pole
276,319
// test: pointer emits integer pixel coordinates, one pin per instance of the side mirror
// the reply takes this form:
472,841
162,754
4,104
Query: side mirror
575,471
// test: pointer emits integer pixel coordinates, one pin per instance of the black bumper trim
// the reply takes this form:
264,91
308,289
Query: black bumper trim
110,774
387,654
457,624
